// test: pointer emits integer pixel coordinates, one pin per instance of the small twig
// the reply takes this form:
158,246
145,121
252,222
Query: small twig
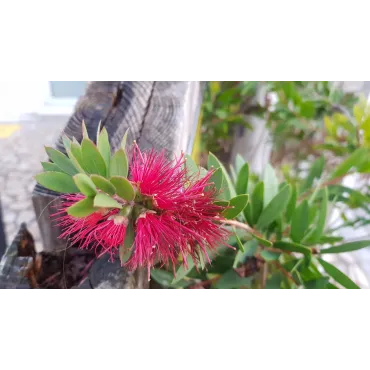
285,272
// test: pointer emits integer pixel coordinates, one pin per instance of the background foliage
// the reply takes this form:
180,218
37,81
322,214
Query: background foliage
319,135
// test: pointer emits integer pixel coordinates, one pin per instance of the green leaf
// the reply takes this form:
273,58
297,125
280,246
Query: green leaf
262,241
105,201
82,208
221,203
217,179
48,166
181,272
119,164
250,248
103,184
231,280
294,247
123,187
228,185
275,208
242,181
239,162
124,140
299,222
238,204
57,181
356,159
76,151
75,148
240,244
202,172
271,184
125,249
191,167
93,161
104,147
62,161
84,130
347,247
274,282
233,174
257,202
291,205
321,221
85,184
338,275
66,142
270,256
319,283
162,277
314,173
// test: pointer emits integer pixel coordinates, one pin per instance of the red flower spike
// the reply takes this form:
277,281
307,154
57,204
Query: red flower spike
178,215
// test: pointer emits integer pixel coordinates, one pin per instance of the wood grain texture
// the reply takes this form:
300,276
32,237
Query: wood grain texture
158,115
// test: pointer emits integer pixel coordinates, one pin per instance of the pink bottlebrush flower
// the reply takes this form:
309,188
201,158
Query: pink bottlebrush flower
102,231
184,219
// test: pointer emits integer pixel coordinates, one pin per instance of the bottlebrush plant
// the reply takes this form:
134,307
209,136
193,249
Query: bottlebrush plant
193,227
149,209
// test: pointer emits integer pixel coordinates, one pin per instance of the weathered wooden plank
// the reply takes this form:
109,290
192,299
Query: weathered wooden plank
2,233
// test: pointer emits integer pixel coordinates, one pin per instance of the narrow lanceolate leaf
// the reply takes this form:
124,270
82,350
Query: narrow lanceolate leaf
254,207
228,185
275,208
299,222
217,179
66,142
105,201
85,184
62,161
124,188
84,130
338,275
57,181
347,247
76,153
356,159
321,221
93,161
104,147
314,173
291,204
262,241
270,256
271,184
82,208
124,140
293,247
125,248
73,159
103,184
231,280
183,271
240,244
241,186
202,172
191,167
48,166
239,163
237,205
119,164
